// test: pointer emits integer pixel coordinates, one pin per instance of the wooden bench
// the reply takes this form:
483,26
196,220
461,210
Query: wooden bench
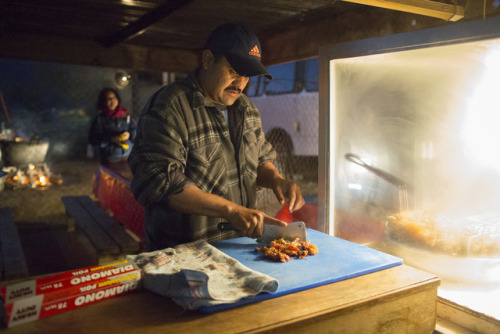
110,239
12,260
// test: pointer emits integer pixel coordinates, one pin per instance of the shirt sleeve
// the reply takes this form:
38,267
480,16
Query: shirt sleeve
158,157
179,183
268,154
266,150
132,126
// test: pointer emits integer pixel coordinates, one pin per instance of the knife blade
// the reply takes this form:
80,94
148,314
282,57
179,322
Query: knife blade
273,232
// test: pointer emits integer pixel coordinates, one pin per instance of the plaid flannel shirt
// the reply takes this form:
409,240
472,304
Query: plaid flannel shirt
183,139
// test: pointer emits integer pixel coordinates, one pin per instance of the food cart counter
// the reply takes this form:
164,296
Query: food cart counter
400,299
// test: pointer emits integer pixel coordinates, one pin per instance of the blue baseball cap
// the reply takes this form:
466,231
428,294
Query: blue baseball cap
241,48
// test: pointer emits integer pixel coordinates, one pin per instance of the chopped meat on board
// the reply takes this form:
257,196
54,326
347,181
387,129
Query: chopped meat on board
282,250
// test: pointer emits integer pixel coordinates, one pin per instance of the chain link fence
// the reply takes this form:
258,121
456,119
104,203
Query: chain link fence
50,107
288,105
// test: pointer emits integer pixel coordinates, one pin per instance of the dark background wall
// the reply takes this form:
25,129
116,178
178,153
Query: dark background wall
56,102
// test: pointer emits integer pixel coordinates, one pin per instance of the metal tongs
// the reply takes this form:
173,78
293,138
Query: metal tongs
403,187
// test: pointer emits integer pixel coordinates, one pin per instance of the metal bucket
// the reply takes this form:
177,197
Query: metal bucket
3,176
24,151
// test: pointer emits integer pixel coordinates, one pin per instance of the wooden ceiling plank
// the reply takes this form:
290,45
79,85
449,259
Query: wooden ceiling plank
436,9
305,41
79,52
135,28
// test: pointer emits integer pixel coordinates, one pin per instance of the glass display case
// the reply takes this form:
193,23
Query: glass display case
410,150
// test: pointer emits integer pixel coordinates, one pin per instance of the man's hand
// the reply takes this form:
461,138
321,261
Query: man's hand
250,223
247,222
285,191
288,192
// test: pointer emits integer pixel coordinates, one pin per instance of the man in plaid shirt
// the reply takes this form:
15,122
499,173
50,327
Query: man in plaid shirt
200,153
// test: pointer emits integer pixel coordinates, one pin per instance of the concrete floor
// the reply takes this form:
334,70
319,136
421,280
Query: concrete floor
41,219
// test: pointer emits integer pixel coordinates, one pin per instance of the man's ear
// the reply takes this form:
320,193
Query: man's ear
207,59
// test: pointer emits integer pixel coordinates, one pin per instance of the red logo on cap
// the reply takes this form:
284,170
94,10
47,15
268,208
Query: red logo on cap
255,51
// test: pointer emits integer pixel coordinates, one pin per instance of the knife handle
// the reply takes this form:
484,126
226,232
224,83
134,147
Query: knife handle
225,227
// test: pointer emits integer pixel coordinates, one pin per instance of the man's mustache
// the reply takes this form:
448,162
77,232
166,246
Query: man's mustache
233,88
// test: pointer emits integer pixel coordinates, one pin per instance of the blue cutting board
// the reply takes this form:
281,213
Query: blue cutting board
336,260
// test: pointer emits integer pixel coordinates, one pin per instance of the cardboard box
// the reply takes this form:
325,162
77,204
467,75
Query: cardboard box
49,284
38,306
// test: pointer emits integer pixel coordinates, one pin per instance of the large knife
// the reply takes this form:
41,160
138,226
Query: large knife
273,232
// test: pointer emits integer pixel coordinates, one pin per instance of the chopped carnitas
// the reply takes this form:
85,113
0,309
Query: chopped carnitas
469,237
283,250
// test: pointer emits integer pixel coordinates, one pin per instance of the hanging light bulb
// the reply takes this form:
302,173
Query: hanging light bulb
122,79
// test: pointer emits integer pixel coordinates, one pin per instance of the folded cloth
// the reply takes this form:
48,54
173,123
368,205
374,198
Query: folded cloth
198,274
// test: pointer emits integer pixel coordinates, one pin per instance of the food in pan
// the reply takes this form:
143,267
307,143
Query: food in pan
462,237
282,250
413,227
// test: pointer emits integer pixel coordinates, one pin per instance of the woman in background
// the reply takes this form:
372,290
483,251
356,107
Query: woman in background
112,131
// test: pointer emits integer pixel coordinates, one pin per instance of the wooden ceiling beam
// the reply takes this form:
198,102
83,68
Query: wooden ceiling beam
305,41
436,9
139,26
69,51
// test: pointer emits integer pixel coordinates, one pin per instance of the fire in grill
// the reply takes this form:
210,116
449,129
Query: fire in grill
31,176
